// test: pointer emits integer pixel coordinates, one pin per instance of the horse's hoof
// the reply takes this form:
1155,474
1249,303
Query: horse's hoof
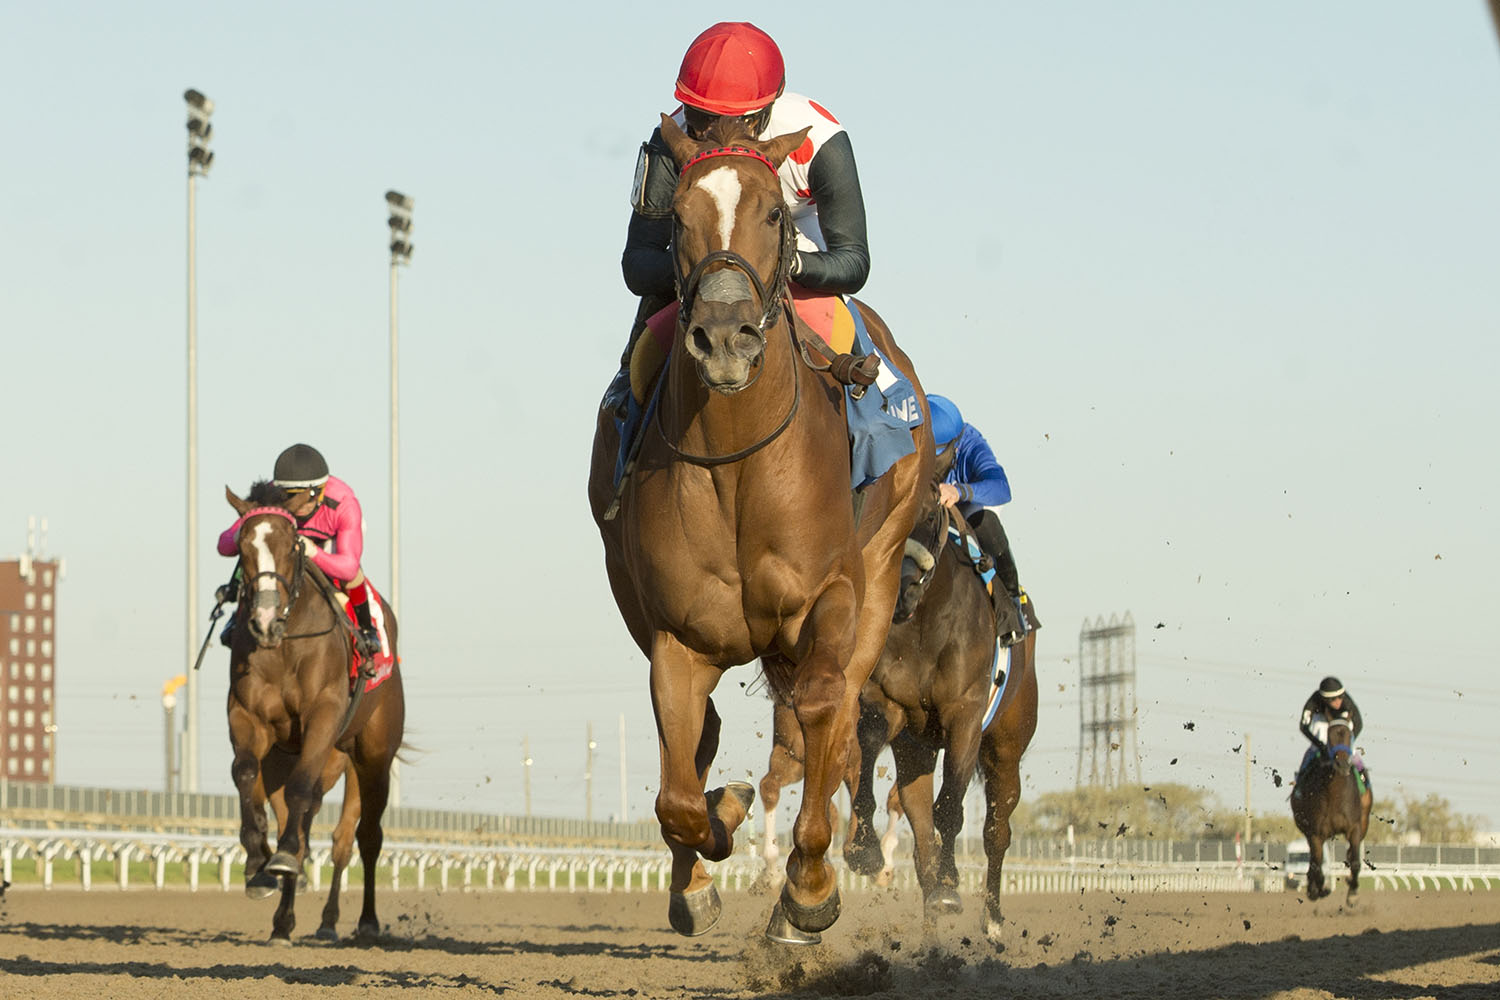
811,918
368,930
993,923
694,913
780,930
863,854
738,796
282,863
261,884
943,901
279,941
326,933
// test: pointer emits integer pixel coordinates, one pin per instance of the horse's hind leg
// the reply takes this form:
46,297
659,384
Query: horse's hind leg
784,767
1000,751
960,757
343,842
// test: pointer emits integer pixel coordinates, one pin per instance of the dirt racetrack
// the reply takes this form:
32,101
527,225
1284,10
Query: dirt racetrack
145,944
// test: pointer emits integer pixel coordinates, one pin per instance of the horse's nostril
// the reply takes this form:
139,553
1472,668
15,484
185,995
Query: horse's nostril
702,346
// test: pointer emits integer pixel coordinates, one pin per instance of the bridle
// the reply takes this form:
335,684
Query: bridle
293,587
771,305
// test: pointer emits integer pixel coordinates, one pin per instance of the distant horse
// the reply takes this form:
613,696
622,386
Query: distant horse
1326,803
292,712
737,536
932,691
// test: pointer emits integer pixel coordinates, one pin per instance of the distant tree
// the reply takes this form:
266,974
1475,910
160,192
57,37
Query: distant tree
1431,818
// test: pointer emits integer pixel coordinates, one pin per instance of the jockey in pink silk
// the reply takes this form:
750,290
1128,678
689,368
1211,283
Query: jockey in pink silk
332,527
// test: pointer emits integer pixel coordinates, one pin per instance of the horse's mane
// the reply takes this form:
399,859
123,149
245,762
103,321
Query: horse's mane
727,131
265,493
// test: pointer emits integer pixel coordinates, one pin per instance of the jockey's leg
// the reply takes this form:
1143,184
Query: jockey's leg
1007,585
617,395
369,638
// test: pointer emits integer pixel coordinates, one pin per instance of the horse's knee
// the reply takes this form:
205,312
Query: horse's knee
683,817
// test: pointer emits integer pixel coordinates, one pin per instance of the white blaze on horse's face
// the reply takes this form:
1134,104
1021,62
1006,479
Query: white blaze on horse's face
723,186
265,586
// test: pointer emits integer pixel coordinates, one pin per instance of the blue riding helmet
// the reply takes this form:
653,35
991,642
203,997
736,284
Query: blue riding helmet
947,422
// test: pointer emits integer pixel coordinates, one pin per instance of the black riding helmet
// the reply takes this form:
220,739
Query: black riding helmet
1330,688
300,467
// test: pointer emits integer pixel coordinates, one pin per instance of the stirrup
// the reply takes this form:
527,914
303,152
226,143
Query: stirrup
368,642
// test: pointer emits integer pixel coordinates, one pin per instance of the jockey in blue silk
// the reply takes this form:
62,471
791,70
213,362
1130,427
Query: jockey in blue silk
975,484
1329,702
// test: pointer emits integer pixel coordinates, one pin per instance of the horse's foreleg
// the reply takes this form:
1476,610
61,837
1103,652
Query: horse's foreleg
915,762
250,740
304,791
893,816
826,701
692,823
862,848
1315,887
960,758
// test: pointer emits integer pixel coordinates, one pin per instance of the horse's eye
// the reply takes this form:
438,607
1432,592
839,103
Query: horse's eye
774,218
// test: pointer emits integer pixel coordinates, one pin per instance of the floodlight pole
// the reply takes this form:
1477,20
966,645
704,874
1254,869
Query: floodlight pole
200,109
399,206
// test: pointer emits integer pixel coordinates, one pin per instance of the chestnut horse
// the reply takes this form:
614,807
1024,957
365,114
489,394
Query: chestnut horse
1327,803
737,535
930,691
291,711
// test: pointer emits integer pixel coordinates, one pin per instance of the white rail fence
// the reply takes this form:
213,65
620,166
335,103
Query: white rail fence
210,860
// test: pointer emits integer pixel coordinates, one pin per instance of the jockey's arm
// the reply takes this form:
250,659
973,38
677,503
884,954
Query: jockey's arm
348,543
1306,726
834,182
977,473
647,260
229,541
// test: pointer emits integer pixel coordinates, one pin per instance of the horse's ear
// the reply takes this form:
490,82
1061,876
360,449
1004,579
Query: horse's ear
779,148
677,141
239,505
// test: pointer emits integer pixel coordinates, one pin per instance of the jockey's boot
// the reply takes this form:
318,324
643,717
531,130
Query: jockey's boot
226,637
366,637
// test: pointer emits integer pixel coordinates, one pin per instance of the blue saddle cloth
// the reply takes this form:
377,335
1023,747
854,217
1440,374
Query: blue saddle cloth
880,419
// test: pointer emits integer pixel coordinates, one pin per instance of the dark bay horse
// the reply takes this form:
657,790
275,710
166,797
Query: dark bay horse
931,691
1326,803
737,536
290,721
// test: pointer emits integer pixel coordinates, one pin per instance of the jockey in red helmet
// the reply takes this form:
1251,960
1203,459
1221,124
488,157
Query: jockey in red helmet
735,70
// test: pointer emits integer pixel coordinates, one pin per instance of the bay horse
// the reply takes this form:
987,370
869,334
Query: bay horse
738,536
294,723
931,690
1326,803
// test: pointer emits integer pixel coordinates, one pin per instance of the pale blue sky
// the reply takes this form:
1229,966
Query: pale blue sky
1218,283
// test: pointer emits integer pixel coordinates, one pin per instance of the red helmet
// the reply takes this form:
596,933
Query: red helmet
733,68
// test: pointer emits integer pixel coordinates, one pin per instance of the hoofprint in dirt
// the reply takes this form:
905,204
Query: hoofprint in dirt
1272,946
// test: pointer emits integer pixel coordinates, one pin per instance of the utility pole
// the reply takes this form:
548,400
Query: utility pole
1247,793
588,778
399,206
526,769
624,812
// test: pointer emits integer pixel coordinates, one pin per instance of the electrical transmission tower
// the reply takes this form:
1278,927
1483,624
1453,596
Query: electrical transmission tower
1106,705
